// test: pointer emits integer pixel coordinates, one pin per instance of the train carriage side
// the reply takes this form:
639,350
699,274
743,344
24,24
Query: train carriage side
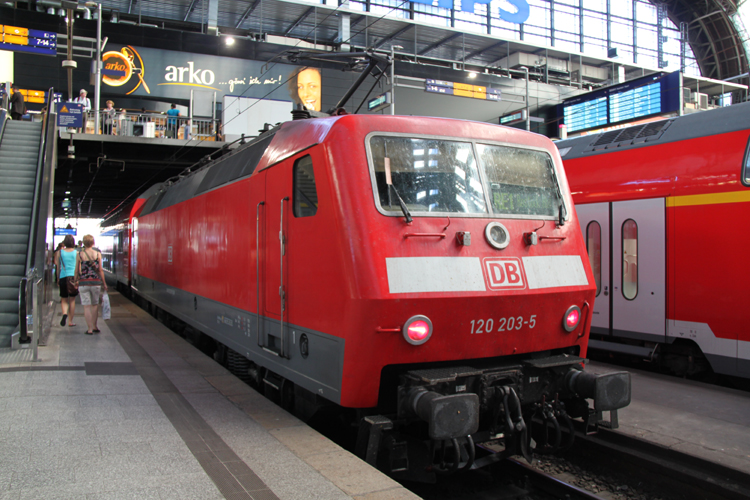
649,208
119,226
397,264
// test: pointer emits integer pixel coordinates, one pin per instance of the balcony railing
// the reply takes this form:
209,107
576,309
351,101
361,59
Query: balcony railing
153,125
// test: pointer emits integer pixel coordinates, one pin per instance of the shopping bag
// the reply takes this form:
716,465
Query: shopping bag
106,309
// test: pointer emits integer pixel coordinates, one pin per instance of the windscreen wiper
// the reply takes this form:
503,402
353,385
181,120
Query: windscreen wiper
389,183
401,203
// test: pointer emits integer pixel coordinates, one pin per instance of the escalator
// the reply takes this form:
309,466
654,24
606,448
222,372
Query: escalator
19,160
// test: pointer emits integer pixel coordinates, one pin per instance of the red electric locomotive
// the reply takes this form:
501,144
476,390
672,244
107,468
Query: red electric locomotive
428,273
649,197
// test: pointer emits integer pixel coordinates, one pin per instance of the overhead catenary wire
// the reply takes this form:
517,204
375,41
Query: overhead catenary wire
175,157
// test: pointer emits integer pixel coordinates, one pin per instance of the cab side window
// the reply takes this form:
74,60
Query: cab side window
305,193
745,176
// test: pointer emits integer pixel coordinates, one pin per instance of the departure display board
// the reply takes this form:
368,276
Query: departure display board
25,40
648,96
635,103
461,90
587,114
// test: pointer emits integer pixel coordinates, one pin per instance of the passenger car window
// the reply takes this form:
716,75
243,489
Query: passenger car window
430,175
305,193
629,259
522,181
594,249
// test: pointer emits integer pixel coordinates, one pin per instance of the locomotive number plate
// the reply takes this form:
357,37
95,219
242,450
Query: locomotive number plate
502,325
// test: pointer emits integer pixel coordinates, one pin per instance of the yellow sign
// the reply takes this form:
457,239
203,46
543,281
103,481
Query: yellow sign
17,40
36,96
14,30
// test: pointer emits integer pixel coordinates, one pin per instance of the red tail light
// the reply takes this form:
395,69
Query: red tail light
572,318
417,330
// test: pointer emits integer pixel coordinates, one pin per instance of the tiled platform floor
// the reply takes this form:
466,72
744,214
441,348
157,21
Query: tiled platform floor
137,412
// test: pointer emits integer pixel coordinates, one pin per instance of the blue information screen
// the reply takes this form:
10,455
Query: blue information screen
586,114
647,96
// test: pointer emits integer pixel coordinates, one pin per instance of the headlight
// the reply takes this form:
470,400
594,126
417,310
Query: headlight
572,318
497,235
417,330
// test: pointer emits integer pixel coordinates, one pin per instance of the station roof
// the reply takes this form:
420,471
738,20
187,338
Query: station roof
709,25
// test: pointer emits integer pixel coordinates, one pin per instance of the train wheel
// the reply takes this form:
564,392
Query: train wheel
239,365
220,354
287,395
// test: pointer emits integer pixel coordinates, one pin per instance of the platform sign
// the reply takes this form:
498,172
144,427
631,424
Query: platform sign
69,114
61,231
513,118
380,102
25,40
462,90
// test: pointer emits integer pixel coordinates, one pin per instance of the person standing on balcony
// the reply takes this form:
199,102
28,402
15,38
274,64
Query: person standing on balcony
82,99
108,118
172,121
17,103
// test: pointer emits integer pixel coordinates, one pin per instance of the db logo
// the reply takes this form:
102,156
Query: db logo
504,273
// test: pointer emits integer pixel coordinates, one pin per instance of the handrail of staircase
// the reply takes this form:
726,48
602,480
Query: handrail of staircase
3,120
23,305
41,213
42,188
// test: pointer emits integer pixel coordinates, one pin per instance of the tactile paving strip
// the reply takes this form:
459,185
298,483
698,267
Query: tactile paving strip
109,368
230,474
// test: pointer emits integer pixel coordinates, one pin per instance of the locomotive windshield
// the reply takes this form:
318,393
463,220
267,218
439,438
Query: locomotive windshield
443,176
430,175
522,181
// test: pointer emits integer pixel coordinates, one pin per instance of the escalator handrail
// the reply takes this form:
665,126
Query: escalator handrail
40,175
4,116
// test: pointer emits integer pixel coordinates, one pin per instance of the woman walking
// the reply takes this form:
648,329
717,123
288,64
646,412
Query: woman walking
89,270
65,263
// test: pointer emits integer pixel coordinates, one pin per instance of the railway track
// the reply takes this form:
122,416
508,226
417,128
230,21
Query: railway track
607,459
544,483
672,473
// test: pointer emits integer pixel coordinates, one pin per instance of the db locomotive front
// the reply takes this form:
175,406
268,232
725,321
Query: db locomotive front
428,274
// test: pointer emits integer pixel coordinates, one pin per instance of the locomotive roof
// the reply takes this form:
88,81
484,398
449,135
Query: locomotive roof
293,137
706,123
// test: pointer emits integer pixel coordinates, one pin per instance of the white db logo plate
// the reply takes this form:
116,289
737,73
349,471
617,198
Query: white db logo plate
504,273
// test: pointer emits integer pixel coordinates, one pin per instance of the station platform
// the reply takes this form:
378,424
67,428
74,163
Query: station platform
137,412
698,419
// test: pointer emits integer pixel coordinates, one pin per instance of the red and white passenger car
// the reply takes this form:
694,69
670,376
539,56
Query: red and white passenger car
663,209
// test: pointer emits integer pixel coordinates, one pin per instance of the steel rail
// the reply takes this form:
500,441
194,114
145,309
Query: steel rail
551,484
638,456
